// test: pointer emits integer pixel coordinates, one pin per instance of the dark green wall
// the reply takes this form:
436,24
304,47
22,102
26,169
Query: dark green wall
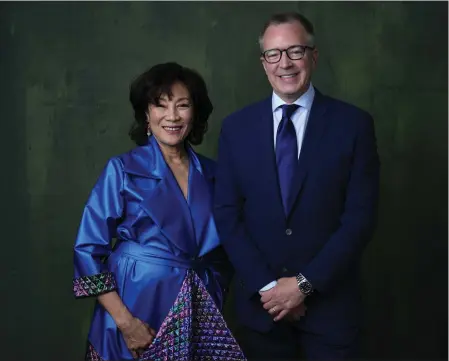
65,70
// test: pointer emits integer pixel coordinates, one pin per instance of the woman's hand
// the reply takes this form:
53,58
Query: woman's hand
138,336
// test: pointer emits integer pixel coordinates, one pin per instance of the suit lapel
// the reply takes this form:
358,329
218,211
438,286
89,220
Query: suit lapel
315,127
267,155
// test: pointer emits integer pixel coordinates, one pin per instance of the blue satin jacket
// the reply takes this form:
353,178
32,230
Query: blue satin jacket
159,235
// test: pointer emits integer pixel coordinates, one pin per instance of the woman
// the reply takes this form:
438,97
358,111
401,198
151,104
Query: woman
159,288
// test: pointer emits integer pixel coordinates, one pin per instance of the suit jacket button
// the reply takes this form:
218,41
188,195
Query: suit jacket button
288,232
285,270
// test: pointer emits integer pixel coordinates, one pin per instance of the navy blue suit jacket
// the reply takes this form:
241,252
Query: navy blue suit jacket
331,218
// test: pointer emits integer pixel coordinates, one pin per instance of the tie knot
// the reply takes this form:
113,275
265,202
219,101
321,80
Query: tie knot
288,110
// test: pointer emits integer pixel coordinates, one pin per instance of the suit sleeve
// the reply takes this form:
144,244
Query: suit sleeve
246,258
358,220
98,225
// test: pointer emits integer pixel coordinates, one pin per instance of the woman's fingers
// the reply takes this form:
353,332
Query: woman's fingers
150,330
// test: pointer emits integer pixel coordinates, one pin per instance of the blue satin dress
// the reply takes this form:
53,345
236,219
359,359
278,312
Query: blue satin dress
159,236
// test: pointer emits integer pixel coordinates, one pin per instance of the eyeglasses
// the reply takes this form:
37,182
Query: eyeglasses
295,52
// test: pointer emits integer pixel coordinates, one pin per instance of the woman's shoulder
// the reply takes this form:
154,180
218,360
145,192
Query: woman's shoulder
131,154
135,160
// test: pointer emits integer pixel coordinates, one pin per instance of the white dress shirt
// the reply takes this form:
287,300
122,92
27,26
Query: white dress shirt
299,119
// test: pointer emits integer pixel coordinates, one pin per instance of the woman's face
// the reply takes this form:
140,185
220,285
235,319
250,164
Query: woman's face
171,121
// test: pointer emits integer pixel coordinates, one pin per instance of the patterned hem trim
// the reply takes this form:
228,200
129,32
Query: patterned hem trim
94,285
194,329
91,354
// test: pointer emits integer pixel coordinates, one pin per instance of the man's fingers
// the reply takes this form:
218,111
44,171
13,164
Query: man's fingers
269,305
298,312
266,296
281,315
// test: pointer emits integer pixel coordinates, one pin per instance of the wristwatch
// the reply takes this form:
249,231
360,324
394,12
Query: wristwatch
304,285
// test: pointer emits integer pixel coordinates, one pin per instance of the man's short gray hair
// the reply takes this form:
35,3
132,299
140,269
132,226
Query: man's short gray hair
289,17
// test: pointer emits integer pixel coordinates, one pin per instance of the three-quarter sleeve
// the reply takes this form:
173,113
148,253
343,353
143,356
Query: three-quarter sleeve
98,226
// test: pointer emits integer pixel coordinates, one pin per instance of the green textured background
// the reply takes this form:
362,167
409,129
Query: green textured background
65,69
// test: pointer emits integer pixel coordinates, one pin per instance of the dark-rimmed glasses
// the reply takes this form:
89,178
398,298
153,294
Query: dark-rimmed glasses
295,52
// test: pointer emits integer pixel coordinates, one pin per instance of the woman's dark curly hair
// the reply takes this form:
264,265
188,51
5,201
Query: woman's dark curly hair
157,81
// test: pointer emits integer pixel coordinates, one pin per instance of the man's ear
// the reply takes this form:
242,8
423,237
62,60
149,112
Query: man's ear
263,63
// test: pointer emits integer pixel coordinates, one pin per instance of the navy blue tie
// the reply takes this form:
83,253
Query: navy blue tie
286,152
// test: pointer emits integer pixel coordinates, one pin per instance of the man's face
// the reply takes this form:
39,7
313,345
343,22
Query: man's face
289,78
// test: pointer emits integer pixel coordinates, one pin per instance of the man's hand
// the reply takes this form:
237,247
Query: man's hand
296,313
283,298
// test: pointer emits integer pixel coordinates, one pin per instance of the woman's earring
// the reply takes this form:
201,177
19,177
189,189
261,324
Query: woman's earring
148,125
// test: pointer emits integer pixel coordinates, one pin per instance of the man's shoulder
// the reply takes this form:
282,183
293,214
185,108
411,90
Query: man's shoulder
248,112
208,165
338,106
206,161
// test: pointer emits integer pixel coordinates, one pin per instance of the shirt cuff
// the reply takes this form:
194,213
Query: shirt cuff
268,286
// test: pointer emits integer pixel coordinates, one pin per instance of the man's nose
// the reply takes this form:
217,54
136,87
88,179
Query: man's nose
285,61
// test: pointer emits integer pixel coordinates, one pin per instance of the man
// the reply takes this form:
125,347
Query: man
295,204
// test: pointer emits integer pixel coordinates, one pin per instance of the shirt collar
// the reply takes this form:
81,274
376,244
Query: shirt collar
304,100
